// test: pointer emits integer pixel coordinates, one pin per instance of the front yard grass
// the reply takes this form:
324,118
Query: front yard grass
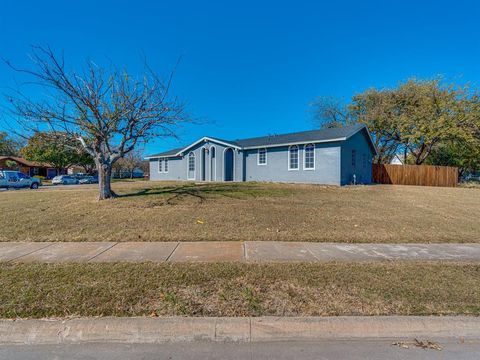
233,289
175,211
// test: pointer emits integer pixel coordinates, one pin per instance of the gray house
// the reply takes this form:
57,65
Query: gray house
336,156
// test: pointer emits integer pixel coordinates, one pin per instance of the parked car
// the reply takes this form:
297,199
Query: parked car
16,180
64,180
471,177
79,175
88,180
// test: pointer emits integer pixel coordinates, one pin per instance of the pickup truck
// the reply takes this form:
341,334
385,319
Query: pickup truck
16,179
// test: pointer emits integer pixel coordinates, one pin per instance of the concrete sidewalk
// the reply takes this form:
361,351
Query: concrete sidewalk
250,251
146,330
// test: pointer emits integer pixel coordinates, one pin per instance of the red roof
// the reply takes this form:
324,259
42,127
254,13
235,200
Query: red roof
25,162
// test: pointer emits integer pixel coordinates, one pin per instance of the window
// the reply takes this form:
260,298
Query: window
191,162
262,156
293,157
364,161
354,160
309,158
163,165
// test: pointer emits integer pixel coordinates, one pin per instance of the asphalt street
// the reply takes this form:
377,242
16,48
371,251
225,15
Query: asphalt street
319,350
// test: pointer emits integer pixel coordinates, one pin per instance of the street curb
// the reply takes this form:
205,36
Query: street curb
187,329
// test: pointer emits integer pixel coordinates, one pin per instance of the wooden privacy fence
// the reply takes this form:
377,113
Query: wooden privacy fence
422,175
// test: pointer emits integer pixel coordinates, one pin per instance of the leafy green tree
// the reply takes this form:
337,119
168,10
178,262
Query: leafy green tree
464,155
413,118
56,149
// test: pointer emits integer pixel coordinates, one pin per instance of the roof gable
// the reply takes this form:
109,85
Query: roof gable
179,151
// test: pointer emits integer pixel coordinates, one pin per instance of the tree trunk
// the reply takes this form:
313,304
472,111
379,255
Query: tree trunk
104,179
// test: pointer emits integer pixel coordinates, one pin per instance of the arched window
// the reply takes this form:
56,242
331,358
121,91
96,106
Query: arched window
293,157
309,157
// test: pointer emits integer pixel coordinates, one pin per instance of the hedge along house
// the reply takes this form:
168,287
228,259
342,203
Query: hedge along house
336,156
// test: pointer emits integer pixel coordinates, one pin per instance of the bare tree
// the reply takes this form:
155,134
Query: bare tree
329,112
109,113
128,164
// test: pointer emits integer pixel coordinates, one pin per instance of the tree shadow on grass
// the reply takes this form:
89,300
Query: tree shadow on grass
198,191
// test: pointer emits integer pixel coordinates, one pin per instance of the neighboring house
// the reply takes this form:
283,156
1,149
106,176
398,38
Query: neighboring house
31,168
337,156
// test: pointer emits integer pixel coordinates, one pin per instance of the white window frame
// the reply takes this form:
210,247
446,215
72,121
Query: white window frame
194,165
162,165
258,157
305,157
298,158
165,165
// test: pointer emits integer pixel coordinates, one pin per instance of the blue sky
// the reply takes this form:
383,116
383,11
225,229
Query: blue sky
251,68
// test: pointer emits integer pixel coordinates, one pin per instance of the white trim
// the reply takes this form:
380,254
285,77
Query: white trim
294,143
272,145
258,156
206,138
214,163
305,156
194,166
223,164
298,158
164,161
158,165
158,157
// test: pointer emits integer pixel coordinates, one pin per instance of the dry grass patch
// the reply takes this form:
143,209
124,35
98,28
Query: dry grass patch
226,289
169,211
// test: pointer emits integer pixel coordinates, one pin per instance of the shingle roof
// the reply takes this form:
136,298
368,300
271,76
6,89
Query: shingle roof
225,141
167,153
25,162
303,136
329,134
